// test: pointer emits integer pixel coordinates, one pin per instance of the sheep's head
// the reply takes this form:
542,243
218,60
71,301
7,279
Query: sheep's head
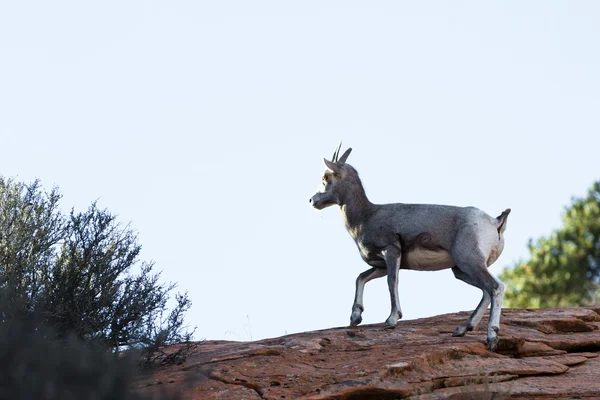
334,179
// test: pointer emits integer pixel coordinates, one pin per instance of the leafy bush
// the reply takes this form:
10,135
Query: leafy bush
81,276
564,268
36,364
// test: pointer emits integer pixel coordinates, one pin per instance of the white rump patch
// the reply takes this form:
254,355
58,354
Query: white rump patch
421,259
491,243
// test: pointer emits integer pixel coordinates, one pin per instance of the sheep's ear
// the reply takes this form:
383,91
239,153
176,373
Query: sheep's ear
333,167
344,156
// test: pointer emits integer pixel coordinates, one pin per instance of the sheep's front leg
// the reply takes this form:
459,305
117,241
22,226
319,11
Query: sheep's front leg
357,307
392,257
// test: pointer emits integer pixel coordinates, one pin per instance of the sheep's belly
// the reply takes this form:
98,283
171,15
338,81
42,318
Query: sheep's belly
421,259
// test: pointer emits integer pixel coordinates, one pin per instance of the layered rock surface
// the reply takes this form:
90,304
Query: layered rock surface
543,353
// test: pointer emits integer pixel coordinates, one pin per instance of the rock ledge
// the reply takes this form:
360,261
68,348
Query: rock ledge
543,353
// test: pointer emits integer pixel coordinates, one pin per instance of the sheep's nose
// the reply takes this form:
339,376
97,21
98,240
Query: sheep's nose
310,200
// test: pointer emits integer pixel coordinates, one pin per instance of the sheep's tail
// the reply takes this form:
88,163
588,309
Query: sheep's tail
502,220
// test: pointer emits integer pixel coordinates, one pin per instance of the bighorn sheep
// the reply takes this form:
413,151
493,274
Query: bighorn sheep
422,237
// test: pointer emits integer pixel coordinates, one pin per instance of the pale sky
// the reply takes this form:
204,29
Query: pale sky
204,124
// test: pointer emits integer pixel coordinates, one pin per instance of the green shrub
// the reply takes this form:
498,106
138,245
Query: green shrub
80,275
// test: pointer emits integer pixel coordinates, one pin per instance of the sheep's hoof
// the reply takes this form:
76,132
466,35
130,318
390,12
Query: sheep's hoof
390,323
492,343
355,320
492,338
461,330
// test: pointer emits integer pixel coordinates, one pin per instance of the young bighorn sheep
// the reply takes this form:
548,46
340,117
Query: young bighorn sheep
422,237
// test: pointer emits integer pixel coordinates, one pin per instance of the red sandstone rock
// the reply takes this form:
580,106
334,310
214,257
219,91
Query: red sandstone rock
547,353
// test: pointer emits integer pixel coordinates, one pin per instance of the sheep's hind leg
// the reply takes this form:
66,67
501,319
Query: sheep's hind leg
473,320
474,264
479,273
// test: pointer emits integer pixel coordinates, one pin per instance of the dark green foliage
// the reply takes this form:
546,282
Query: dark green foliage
564,268
80,275
35,364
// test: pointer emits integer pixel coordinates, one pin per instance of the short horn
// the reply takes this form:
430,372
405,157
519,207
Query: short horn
336,153
344,156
